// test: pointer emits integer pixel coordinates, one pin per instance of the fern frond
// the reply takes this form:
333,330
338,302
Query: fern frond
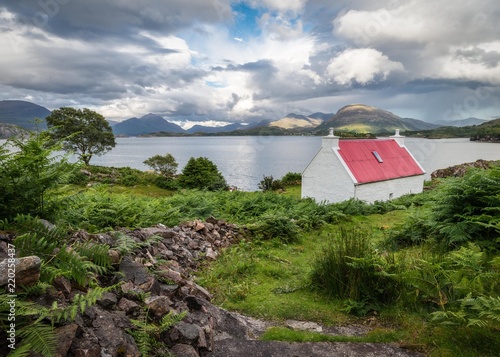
125,244
142,335
79,304
40,337
39,288
170,320
97,253
22,350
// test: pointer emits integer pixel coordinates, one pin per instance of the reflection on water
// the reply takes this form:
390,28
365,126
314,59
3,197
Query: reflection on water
245,160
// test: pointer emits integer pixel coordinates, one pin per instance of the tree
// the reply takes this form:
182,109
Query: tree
201,173
164,164
83,131
268,183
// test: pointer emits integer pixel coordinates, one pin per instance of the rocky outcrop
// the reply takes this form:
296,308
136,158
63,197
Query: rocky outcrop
155,279
27,271
460,170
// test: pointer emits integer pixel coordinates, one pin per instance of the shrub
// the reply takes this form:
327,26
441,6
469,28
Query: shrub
270,227
201,173
348,267
468,209
268,183
291,178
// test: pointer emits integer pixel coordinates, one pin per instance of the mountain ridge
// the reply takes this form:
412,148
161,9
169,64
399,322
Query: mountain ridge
355,118
362,118
23,114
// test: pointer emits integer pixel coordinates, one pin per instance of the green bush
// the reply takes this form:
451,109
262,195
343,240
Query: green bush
268,183
291,179
445,281
468,210
201,173
270,227
166,183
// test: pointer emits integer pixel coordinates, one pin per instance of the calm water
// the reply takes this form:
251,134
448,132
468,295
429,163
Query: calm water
245,160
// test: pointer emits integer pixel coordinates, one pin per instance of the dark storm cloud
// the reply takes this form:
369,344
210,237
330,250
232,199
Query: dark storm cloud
478,55
179,56
94,18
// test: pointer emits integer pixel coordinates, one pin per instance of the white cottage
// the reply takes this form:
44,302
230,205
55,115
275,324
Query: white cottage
367,169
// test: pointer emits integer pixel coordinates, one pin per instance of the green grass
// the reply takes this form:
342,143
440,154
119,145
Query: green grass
269,280
294,191
142,190
286,334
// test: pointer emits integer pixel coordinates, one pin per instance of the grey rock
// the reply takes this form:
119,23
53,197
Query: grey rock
158,305
108,300
186,332
129,307
27,271
62,284
183,350
239,348
65,336
109,329
134,272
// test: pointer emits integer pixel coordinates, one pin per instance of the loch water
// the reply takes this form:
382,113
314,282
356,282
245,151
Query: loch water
244,160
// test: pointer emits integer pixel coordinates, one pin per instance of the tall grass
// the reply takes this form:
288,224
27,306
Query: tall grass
348,267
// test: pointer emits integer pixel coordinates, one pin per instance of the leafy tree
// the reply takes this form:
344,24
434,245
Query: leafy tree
201,173
82,130
27,173
164,164
268,183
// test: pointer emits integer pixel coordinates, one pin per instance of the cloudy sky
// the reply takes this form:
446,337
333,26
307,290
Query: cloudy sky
253,59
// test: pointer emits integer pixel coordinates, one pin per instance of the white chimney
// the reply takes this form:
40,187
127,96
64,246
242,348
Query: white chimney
330,141
398,138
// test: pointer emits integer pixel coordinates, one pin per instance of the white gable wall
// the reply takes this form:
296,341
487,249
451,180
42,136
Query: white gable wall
326,179
385,190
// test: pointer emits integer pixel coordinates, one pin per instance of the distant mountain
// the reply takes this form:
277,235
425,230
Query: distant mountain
461,122
215,129
362,118
8,130
292,121
23,114
322,116
147,124
487,131
112,122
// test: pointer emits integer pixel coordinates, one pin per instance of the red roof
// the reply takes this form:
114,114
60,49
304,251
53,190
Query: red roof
360,157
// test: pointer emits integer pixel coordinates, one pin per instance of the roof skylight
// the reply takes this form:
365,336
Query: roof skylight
377,156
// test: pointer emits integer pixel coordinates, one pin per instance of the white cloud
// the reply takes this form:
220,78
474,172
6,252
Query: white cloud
362,66
281,5
420,21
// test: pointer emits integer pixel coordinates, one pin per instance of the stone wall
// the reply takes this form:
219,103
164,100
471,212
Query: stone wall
158,278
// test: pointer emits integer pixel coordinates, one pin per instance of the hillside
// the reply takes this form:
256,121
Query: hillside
292,121
23,114
366,119
8,130
461,122
488,131
201,129
147,124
